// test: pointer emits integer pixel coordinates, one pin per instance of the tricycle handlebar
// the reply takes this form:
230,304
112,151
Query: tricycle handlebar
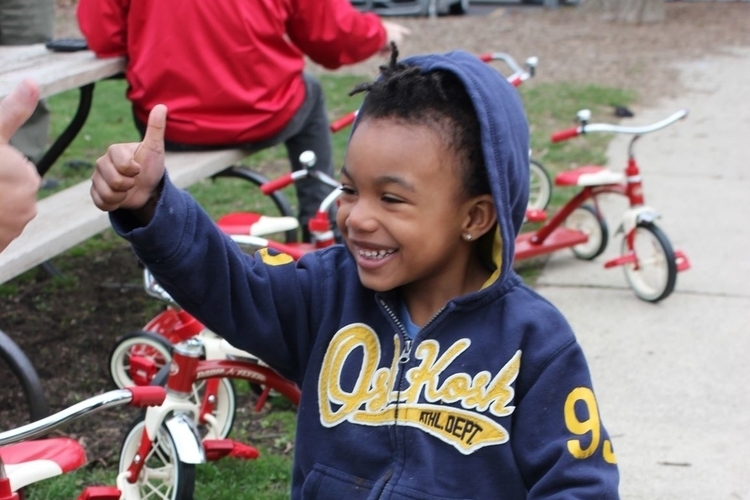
568,133
139,396
309,170
343,122
519,75
585,128
282,182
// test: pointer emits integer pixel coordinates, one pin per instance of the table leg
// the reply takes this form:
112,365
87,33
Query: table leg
70,132
62,143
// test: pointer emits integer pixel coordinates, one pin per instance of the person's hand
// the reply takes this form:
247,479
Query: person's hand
19,179
394,33
129,174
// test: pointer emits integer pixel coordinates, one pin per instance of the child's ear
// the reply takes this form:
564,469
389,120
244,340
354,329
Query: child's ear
481,216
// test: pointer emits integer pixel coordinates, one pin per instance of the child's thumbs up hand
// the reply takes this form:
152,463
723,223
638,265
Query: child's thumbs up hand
128,175
150,153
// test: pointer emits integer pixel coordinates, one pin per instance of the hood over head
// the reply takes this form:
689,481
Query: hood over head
504,137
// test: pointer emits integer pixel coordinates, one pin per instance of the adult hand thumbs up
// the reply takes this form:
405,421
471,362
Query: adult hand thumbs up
16,108
129,174
19,179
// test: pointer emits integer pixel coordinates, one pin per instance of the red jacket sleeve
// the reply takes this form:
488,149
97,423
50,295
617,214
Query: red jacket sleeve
104,25
333,33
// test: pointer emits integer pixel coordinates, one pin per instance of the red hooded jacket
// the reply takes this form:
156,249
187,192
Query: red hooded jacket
229,71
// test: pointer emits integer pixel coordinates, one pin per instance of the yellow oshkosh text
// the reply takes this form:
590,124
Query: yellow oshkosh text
274,260
373,397
591,424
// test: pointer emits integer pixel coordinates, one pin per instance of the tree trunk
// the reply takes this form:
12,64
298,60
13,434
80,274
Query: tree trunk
629,11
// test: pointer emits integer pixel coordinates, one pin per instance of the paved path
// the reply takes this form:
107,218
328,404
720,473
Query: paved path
673,379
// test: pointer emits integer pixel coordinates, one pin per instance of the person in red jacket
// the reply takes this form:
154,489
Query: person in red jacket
232,73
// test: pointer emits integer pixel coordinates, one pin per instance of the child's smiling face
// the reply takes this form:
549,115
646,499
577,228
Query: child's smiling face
402,213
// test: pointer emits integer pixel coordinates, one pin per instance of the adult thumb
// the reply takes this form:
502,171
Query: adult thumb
153,140
16,108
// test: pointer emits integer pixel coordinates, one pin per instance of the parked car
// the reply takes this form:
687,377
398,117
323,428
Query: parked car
413,7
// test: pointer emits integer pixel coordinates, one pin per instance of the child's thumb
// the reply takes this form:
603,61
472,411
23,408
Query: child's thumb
153,140
16,108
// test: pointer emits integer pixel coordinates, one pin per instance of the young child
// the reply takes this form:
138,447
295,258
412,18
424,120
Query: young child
428,369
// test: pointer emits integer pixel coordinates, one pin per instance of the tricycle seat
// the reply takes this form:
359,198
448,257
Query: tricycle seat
588,175
32,461
254,224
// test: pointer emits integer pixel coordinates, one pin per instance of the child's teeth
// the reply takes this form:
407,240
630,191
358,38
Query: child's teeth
375,254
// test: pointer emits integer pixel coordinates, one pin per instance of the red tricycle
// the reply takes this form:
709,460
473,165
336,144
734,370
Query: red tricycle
25,459
647,257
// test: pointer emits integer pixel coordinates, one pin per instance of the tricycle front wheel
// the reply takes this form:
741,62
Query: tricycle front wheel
654,273
163,476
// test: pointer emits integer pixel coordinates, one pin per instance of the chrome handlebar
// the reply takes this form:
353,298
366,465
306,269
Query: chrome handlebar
620,129
138,396
518,72
531,62
154,289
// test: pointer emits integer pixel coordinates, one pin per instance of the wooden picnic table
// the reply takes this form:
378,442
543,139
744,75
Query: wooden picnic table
56,72
69,217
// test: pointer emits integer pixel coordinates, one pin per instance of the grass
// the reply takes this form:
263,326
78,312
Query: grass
549,107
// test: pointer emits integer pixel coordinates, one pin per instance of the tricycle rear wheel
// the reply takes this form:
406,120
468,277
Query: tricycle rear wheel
540,186
137,343
21,387
589,221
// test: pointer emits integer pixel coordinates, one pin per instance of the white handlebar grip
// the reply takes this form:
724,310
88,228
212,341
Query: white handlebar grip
307,159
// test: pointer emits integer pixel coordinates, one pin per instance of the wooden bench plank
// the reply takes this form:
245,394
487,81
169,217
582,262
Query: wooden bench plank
69,217
55,72
190,167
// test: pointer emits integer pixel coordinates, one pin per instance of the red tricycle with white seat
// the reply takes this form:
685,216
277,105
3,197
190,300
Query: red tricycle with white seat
25,459
647,257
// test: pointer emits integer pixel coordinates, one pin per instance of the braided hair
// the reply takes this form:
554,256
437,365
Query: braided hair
436,99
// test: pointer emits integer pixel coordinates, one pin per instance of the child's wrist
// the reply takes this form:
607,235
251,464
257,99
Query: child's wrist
147,211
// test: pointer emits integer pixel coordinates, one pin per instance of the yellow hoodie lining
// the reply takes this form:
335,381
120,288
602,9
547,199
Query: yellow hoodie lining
497,254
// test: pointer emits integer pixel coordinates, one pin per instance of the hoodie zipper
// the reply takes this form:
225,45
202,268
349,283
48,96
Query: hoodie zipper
404,357
406,350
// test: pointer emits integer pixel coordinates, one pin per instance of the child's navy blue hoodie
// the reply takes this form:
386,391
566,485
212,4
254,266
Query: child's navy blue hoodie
493,397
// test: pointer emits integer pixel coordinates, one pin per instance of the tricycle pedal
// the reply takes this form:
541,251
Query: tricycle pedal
100,493
628,258
683,264
536,215
220,448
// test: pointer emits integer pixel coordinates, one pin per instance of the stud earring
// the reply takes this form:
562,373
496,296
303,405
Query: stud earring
467,237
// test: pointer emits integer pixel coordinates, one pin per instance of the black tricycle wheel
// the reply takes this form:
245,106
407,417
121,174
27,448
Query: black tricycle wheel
21,386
